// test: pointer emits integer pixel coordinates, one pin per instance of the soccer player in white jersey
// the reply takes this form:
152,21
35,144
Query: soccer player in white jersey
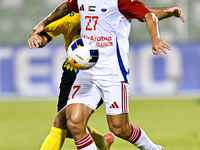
107,23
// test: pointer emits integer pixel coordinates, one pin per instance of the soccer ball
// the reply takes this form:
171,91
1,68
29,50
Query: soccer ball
83,54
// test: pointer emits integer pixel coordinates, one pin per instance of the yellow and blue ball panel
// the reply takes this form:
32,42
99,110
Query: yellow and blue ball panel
94,55
78,43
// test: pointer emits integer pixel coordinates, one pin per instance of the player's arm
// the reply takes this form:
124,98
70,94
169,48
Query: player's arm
162,13
38,40
61,11
158,45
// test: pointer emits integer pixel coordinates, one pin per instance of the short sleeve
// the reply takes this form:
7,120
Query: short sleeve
56,28
72,5
133,9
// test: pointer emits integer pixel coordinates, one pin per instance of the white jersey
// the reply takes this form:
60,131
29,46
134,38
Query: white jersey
103,22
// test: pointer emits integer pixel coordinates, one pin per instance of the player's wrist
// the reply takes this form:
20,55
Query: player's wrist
168,12
154,38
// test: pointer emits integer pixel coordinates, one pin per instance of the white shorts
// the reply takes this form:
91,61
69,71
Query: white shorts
89,93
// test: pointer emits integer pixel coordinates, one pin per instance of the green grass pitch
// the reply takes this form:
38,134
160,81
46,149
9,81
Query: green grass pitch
174,124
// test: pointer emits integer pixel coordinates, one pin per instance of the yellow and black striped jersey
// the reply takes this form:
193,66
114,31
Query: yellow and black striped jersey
69,26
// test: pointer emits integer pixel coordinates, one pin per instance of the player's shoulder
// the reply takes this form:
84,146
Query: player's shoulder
72,17
73,14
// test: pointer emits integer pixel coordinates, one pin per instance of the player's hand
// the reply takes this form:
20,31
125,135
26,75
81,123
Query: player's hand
176,12
37,29
35,41
159,46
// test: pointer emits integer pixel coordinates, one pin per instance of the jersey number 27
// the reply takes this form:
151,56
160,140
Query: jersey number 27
90,18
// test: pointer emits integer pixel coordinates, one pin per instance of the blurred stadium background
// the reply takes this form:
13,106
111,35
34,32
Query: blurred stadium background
37,72
28,75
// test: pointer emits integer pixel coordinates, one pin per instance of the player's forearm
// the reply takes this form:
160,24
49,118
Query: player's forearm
160,13
152,25
61,11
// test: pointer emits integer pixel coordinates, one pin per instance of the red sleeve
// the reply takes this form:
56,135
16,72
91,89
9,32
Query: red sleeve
72,5
133,9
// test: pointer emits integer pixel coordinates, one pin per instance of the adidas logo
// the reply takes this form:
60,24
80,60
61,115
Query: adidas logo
82,8
114,105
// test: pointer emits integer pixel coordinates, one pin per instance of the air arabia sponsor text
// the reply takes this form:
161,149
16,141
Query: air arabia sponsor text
101,41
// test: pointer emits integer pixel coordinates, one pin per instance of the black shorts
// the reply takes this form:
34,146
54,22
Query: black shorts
67,80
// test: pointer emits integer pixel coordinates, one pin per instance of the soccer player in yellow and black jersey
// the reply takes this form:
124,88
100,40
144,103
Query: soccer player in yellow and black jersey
69,26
